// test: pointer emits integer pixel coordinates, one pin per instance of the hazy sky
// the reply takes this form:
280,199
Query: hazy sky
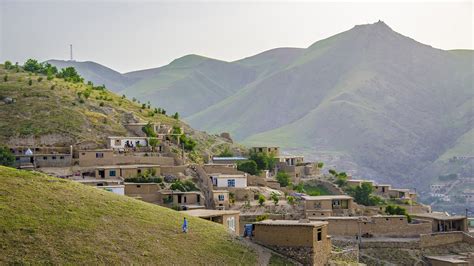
127,35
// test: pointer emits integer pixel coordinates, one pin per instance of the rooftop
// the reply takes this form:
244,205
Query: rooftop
438,216
328,197
228,158
293,223
172,192
204,213
128,166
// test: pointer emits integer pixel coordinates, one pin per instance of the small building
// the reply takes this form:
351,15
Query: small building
359,182
229,180
30,161
147,192
106,157
399,193
127,142
290,160
331,205
221,199
275,151
382,190
126,171
188,200
228,218
228,160
441,222
304,241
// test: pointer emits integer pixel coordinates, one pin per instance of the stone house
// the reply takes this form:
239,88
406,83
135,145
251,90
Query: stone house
126,171
332,205
229,219
221,199
275,151
229,180
31,161
188,200
105,157
228,160
443,223
304,241
147,192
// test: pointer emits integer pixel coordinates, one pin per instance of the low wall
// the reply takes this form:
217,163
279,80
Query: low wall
444,238
173,170
390,244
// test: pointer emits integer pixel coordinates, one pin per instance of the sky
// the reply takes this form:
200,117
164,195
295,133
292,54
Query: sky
127,36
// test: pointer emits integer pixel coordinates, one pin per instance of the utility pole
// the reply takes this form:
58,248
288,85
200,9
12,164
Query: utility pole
70,52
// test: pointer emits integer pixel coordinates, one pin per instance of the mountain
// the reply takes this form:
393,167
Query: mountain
98,74
189,84
388,102
47,220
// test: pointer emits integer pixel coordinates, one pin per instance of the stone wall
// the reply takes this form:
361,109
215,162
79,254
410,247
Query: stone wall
174,170
444,238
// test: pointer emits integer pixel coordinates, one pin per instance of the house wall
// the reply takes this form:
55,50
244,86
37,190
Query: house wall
116,190
325,208
231,222
297,242
222,181
45,160
147,192
187,199
118,143
126,172
444,238
221,203
173,170
108,157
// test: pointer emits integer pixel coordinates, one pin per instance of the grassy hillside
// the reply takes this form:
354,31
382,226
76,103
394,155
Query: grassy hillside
56,112
46,220
99,74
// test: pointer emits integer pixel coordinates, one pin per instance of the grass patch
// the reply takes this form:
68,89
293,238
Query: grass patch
316,190
46,220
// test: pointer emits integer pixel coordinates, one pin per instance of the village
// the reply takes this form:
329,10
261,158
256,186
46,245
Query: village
290,208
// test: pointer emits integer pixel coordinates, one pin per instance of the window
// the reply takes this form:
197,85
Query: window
54,157
45,158
231,223
99,155
61,157
112,173
139,186
83,153
320,234
231,182
221,197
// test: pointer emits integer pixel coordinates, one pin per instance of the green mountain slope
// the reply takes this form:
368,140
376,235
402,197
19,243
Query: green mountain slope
189,84
98,74
46,220
393,104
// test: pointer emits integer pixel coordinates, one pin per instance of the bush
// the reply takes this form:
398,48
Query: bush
142,179
291,200
8,65
320,165
261,200
274,197
186,185
6,157
30,82
70,74
264,161
5,78
40,79
261,217
397,210
249,167
283,178
226,153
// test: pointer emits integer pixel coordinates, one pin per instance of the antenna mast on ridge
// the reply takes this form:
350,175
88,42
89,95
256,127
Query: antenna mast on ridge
70,46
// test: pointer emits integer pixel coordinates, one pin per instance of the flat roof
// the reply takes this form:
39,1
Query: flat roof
292,223
220,191
169,192
98,180
229,158
438,216
42,154
127,166
327,197
132,183
204,213
220,175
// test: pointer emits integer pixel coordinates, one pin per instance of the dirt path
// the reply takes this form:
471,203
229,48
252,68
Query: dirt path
263,254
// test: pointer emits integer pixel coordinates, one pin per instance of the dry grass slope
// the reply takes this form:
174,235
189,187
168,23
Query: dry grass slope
47,220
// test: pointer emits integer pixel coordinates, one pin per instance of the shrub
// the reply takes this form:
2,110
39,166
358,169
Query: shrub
5,78
320,165
40,79
261,200
226,152
6,157
283,178
290,200
397,210
30,82
261,217
101,104
186,185
249,167
8,64
275,198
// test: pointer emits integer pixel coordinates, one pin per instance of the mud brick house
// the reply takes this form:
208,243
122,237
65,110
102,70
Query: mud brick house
105,157
443,223
304,241
275,151
221,199
333,205
228,160
229,180
126,171
228,218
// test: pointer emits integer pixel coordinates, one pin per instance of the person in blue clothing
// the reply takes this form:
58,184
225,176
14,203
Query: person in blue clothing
185,225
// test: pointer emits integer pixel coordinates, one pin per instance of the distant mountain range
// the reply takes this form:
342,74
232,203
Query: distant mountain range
387,103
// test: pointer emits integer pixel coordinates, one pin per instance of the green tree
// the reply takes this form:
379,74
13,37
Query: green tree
320,165
261,200
5,78
362,194
32,65
6,157
8,64
275,198
397,210
176,116
249,167
70,74
283,178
